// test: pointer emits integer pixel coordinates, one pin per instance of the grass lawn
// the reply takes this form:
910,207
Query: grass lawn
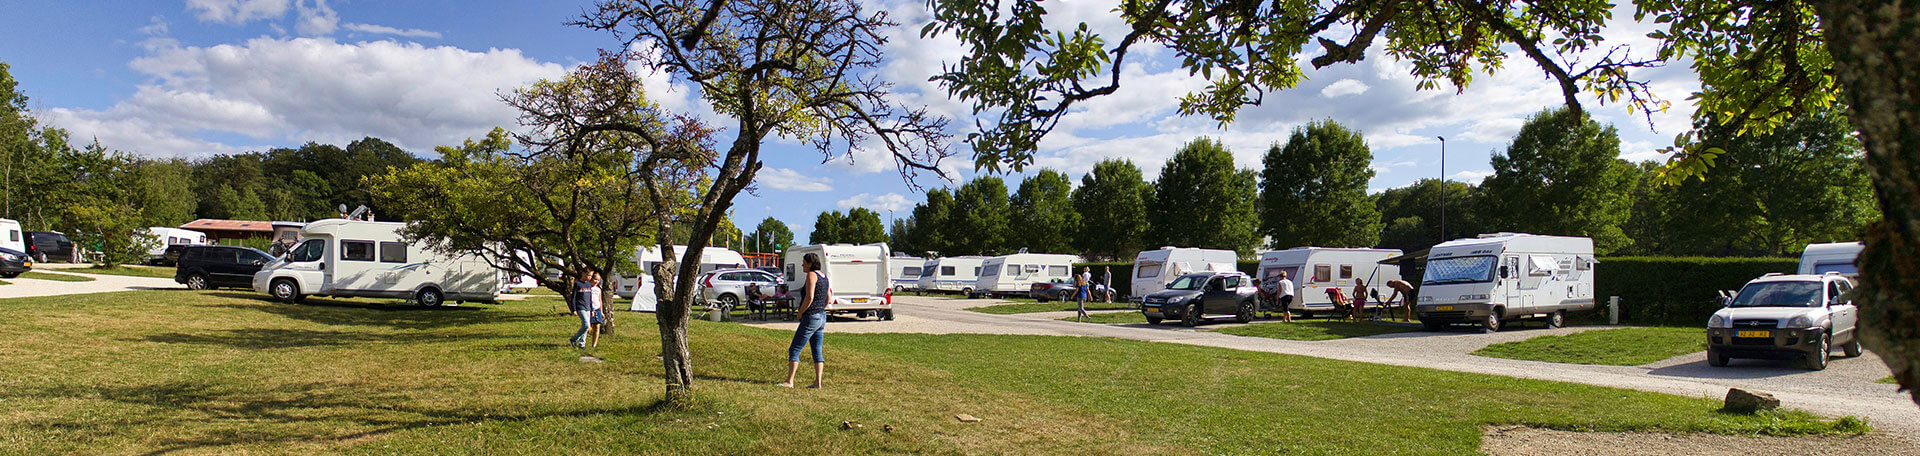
56,277
1317,329
3,282
1888,380
166,371
1612,347
129,270
1055,306
1112,318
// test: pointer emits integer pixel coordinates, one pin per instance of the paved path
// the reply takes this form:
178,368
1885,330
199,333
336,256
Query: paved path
23,287
1847,387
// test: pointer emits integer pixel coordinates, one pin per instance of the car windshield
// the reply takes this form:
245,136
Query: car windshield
1460,270
1779,294
1188,282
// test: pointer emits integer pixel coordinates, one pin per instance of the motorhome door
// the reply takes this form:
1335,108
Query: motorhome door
1510,275
309,261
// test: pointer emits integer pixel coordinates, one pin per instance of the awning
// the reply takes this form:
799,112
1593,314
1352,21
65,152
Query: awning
1404,259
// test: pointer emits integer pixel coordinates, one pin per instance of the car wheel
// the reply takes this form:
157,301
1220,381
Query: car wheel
886,315
729,301
1716,359
428,297
1246,312
9,275
1557,320
198,282
1432,326
1191,317
284,290
1492,325
1153,320
968,292
40,257
1852,348
1818,359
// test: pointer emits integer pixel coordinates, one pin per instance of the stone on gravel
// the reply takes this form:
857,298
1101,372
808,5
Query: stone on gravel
1743,401
965,418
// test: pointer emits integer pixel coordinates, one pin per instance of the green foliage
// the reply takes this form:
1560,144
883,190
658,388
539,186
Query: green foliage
900,236
1043,210
1610,347
862,227
1676,291
1203,200
980,223
1313,191
771,235
163,192
1110,200
933,228
1561,176
1412,213
827,228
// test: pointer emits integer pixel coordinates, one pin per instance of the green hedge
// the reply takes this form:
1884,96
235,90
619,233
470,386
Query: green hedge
1675,291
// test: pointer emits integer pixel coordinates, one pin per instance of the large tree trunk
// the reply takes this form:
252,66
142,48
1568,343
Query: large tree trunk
675,356
1877,63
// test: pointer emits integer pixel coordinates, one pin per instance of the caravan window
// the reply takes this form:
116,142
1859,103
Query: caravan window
393,252
976,271
910,271
1322,273
1148,270
1056,270
356,250
1346,271
946,270
312,250
13,235
1540,266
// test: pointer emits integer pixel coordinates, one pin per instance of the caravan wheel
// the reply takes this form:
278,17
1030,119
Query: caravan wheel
429,297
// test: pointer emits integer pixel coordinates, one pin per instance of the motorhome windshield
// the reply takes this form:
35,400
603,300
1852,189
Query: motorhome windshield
1779,294
1188,282
311,250
1460,270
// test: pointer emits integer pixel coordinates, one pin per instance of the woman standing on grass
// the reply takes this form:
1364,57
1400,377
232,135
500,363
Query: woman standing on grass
599,315
582,305
813,322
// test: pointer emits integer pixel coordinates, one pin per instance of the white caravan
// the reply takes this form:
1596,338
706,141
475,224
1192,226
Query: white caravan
1834,257
167,236
1153,269
954,274
11,237
522,281
1500,276
1315,269
1016,273
350,258
856,276
905,271
640,288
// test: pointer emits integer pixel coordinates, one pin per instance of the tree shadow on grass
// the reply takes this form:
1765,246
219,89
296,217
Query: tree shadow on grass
279,338
396,315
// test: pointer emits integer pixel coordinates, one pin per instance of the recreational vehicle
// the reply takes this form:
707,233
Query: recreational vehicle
1015,274
1834,257
640,288
856,275
11,237
951,274
1501,276
518,281
905,272
164,237
353,258
1153,269
1315,269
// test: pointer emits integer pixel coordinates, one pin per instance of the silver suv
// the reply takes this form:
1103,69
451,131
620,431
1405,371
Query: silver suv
729,286
1786,316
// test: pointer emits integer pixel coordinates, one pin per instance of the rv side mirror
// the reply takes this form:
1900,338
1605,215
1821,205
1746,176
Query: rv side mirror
1724,301
1503,272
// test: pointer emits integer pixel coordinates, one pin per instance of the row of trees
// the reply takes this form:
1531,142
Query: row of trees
1560,175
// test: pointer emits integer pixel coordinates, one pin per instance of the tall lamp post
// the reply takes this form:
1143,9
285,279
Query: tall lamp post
1443,188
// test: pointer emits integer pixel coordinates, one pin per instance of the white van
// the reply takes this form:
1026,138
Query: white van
1500,276
856,276
640,288
352,258
1015,274
1315,269
953,274
905,272
11,237
167,236
1833,257
1153,269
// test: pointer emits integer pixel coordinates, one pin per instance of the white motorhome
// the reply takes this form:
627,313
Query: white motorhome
1153,269
1833,257
640,288
952,274
352,258
1016,273
167,236
856,275
1501,276
1315,269
521,281
11,237
905,271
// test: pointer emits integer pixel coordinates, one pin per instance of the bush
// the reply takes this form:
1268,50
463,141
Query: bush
1675,291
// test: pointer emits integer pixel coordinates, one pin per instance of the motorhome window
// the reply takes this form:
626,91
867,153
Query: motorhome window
1843,268
1541,266
356,250
1148,270
1779,294
1460,270
976,271
1032,268
946,270
393,252
312,250
1056,270
1346,271
1582,263
1322,273
910,271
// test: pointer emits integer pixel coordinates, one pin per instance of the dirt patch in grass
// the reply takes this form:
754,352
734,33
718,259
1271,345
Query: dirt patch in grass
1528,441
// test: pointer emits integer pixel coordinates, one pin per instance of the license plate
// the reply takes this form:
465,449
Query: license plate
1153,308
858,300
1761,334
1443,308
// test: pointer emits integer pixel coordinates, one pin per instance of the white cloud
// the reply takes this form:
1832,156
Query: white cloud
1344,87
1495,131
156,26
385,30
315,18
792,181
1639,151
891,202
237,11
1471,177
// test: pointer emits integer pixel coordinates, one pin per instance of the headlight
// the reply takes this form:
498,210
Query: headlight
1472,297
1717,322
1798,322
1426,299
9,256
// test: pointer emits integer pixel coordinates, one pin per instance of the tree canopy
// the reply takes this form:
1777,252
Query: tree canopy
1561,176
1112,200
1204,200
1043,212
1313,190
771,235
981,220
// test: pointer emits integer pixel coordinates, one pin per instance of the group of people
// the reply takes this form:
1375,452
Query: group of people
1282,297
1083,289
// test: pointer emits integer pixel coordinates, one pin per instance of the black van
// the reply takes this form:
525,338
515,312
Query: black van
50,246
205,267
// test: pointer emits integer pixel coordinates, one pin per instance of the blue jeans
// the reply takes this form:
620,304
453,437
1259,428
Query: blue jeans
812,330
587,317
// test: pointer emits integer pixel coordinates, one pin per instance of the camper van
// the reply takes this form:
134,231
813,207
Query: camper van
164,237
1501,276
1153,269
856,274
1834,257
1015,274
905,272
951,274
11,237
353,258
640,288
1315,269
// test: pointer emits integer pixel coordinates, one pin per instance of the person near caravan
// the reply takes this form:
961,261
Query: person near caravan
1080,284
1285,289
582,307
1106,282
1339,299
599,308
1359,299
813,322
1402,290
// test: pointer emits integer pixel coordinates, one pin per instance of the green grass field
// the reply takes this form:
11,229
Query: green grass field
1317,329
1888,380
1112,318
129,270
55,277
1054,306
221,372
3,282
1612,347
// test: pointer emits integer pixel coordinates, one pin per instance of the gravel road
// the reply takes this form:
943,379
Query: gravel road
24,287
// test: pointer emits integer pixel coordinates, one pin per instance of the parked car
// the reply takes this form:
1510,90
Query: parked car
1780,316
13,263
1062,290
729,286
205,267
50,246
1192,297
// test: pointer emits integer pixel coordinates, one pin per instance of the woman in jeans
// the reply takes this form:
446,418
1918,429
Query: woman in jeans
813,322
586,305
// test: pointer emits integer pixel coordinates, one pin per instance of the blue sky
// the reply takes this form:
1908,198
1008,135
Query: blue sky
199,77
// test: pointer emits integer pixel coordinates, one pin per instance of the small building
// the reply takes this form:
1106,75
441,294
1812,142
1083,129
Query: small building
230,232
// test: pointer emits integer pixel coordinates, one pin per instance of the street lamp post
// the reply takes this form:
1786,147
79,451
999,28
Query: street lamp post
1443,188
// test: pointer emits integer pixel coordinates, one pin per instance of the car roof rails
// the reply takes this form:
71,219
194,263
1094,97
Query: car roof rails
1771,274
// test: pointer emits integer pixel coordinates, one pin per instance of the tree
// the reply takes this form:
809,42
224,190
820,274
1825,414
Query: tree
862,226
900,236
805,71
1112,202
162,191
931,225
1561,176
827,228
1412,213
980,222
771,235
1313,191
1043,211
1204,201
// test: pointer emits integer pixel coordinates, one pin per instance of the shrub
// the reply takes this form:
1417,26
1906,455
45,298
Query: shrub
1675,291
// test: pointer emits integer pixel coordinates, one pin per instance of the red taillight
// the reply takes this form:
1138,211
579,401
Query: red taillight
889,297
707,281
